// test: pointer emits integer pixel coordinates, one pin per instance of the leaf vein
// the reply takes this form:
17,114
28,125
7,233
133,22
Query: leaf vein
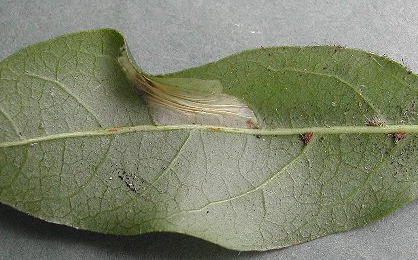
278,174
59,84
12,122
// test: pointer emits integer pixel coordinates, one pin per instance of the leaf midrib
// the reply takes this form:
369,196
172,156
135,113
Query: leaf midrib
266,132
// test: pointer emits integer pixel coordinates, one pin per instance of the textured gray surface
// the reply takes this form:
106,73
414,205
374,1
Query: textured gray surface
166,36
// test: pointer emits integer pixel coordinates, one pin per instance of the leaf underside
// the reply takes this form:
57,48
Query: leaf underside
335,144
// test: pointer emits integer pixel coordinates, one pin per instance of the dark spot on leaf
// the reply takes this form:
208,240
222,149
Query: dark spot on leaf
251,124
398,136
127,179
258,136
307,137
375,121
339,48
217,129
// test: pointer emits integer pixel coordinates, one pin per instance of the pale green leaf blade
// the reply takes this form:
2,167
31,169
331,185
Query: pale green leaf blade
89,156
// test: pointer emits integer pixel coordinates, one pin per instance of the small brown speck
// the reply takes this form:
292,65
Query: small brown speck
398,136
375,121
307,137
251,125
339,48
113,129
217,129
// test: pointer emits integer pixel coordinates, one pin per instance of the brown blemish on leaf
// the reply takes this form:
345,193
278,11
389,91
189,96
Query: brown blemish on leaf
375,121
398,136
217,129
251,124
339,48
307,137
113,129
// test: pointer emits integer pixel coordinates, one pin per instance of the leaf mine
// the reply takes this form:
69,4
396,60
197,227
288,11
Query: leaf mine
177,101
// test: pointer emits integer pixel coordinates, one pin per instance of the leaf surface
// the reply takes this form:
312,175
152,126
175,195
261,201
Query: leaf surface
333,144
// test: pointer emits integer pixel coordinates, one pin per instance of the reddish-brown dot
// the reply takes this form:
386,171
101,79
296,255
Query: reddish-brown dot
307,137
113,129
398,136
251,125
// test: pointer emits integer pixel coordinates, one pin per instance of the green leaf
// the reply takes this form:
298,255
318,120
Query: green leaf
264,149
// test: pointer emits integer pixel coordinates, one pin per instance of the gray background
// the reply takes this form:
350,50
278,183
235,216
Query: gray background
166,36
